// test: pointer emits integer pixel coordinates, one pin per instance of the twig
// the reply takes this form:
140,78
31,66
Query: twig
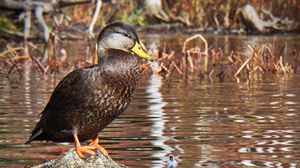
41,67
10,50
194,37
12,68
176,67
211,73
190,61
245,63
281,65
94,19
165,68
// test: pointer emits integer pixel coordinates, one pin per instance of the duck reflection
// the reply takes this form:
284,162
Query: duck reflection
157,116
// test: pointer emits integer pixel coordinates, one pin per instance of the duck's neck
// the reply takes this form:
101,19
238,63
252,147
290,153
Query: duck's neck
119,61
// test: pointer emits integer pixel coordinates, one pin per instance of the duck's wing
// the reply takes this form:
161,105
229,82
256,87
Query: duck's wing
67,98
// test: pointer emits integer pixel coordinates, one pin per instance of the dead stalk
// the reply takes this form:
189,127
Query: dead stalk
10,50
41,67
281,65
242,67
194,37
177,68
211,73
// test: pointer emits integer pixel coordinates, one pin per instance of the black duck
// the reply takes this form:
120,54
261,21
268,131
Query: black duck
90,98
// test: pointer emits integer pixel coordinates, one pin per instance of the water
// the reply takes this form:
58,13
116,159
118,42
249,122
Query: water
202,123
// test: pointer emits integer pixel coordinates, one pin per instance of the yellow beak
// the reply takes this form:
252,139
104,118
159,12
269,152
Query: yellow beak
137,49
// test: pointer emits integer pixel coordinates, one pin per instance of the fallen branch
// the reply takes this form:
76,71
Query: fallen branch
253,21
39,8
16,5
155,8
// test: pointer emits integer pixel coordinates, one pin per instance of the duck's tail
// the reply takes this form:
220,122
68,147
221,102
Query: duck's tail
36,134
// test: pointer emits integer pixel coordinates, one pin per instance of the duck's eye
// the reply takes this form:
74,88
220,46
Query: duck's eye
127,35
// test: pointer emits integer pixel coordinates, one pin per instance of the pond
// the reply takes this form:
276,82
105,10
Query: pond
203,123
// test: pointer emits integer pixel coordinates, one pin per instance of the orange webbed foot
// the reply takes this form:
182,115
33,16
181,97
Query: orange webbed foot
95,144
81,149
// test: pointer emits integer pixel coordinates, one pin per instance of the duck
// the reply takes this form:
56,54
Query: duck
88,99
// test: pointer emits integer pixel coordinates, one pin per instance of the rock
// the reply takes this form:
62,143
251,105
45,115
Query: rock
72,160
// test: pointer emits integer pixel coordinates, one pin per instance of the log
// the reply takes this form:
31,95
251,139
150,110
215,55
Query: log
253,22
155,8
16,5
39,8
72,160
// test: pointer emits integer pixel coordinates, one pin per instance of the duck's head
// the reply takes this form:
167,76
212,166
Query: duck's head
122,37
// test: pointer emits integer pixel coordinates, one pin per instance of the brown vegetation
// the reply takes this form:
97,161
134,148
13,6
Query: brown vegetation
265,59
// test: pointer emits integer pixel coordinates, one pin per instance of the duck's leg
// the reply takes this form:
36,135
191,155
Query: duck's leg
81,149
95,143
